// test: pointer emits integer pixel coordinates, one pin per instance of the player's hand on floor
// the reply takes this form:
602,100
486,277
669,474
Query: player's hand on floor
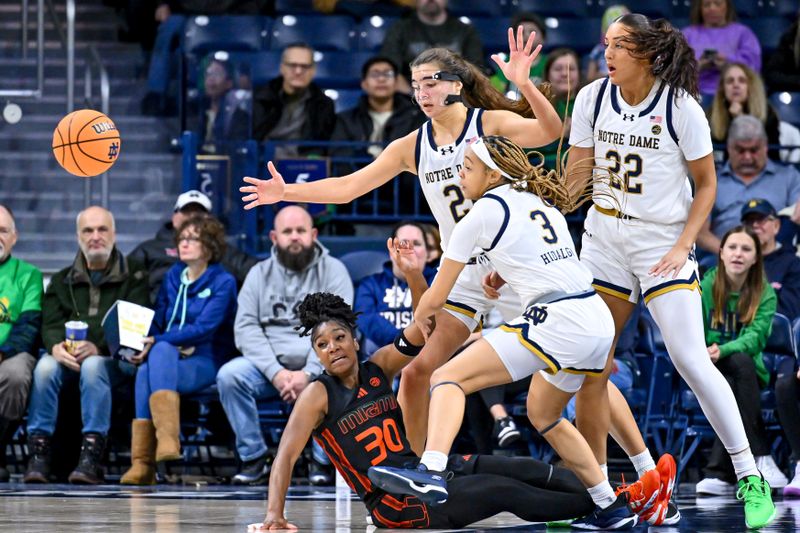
280,524
263,192
671,263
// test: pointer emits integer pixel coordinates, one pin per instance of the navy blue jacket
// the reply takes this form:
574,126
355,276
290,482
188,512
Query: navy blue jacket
384,302
204,317
782,267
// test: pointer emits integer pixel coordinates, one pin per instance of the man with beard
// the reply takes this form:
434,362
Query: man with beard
748,174
20,320
275,362
84,291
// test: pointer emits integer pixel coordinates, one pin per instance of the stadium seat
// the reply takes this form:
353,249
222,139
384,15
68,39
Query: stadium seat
344,99
323,32
232,33
474,8
363,263
784,8
371,32
781,340
340,69
748,8
579,34
295,7
560,8
787,106
493,32
654,9
769,31
264,66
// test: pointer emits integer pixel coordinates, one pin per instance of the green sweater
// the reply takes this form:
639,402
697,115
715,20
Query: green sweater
74,295
734,337
20,307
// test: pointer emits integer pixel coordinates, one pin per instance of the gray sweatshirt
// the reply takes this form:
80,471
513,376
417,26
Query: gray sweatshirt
267,312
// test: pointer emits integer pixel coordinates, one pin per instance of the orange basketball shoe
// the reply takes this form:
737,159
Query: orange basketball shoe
643,494
664,512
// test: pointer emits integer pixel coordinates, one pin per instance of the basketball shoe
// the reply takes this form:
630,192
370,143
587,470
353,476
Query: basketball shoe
757,496
618,515
427,485
643,494
664,511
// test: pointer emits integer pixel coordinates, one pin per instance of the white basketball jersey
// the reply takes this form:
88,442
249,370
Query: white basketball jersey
646,145
438,167
527,242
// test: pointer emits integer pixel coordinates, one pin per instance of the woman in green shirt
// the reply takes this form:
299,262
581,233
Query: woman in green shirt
738,306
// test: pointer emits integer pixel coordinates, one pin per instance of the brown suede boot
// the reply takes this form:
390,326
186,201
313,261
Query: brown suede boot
165,407
143,454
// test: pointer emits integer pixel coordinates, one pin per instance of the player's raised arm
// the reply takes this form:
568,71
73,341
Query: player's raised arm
308,412
396,158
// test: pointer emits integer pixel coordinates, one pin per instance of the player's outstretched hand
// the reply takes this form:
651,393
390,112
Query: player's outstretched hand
520,57
491,284
402,253
263,192
671,263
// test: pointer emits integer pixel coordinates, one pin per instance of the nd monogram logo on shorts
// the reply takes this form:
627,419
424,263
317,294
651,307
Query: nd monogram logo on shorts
535,314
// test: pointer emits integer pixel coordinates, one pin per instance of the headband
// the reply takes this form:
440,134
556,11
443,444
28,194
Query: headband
480,150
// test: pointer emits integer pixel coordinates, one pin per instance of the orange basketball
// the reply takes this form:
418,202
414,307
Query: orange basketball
86,143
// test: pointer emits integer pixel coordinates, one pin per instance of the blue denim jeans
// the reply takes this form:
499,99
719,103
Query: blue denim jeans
161,59
99,375
240,384
165,370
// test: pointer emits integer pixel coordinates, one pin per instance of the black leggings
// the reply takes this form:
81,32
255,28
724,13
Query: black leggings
787,397
485,485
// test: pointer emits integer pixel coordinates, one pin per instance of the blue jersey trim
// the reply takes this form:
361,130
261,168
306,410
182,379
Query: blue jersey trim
599,101
670,100
506,217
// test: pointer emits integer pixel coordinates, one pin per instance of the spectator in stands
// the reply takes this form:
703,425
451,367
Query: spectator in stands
598,68
738,306
531,23
429,27
20,322
787,399
191,337
748,174
276,362
160,253
433,241
782,72
171,16
717,39
741,92
84,291
781,265
224,113
292,107
383,300
562,72
382,114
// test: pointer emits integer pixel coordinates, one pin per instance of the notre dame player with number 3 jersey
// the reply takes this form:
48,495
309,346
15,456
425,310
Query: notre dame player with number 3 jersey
461,104
644,125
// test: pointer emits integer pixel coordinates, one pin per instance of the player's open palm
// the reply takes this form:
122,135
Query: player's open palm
520,58
263,192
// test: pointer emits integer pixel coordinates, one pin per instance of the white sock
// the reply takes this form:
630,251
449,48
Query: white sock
744,464
604,468
643,462
602,494
436,461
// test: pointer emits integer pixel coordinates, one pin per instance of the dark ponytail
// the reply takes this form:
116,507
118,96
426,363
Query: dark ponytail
664,46
478,90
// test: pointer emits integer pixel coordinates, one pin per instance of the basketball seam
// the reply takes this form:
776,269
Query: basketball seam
69,136
89,141
64,151
78,141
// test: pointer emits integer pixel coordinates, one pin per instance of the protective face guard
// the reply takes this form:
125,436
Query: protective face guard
443,76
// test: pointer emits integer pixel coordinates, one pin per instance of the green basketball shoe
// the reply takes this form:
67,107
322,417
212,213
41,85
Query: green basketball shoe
757,496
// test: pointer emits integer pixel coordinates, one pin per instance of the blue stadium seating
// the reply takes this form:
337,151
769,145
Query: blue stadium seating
264,66
475,8
784,8
748,8
344,99
654,9
372,32
338,33
560,8
579,34
493,32
363,263
340,69
768,30
295,7
232,33
788,106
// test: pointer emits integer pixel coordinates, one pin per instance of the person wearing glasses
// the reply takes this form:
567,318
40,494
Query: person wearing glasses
192,336
292,106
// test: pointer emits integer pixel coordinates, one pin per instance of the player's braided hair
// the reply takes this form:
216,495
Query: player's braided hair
319,307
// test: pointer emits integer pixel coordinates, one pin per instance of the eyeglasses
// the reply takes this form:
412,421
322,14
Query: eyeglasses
758,221
305,67
188,239
378,74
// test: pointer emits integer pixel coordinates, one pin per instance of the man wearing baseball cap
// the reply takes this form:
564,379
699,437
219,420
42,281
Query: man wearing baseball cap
160,253
781,265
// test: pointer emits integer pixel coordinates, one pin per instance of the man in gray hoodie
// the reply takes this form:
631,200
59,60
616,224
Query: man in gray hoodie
276,361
